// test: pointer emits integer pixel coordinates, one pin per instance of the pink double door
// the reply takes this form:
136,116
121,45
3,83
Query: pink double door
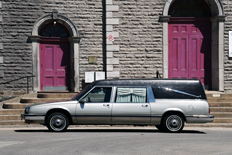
189,51
54,66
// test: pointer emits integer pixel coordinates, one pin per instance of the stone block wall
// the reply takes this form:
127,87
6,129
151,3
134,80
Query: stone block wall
18,18
135,52
140,54
227,5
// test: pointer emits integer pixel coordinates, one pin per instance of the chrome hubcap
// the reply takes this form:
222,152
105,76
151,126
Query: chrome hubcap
174,123
58,122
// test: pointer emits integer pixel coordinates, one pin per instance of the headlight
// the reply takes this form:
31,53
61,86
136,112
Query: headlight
27,109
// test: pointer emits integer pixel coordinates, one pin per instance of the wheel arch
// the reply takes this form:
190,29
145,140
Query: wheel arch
171,112
63,111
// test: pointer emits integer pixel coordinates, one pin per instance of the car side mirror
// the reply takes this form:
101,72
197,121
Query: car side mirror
83,101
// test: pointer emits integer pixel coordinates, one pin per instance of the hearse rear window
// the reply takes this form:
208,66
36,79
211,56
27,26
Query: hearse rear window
135,95
178,91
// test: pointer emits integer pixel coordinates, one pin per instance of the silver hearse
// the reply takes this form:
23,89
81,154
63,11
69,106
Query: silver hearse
165,103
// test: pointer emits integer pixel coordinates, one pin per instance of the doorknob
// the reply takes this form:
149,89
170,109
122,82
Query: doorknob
144,105
106,105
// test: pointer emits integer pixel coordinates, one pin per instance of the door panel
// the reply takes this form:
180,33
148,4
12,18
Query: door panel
54,66
93,113
178,64
131,106
189,51
97,107
196,67
131,113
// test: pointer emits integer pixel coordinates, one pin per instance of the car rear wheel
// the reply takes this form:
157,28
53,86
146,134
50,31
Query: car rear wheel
173,123
57,122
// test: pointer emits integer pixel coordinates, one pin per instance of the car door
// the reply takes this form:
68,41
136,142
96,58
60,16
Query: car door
95,107
131,106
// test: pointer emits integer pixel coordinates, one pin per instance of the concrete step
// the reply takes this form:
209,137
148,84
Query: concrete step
56,95
11,111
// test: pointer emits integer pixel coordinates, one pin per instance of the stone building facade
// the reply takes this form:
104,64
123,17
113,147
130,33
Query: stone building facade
121,39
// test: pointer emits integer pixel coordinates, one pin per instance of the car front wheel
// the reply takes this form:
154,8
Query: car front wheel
57,122
173,123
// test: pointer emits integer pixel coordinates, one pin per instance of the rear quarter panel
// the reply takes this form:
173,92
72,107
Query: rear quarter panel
188,107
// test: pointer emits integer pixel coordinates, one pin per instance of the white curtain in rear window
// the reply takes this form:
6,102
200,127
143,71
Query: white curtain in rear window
131,95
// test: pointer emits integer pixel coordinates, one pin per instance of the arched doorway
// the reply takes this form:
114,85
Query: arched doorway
54,57
189,34
74,41
217,20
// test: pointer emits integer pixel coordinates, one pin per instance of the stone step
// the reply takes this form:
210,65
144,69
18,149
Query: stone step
221,109
218,95
220,100
222,120
220,104
15,106
11,111
40,100
56,95
221,114
10,117
13,122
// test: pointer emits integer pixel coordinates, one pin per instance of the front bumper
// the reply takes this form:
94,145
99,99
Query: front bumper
33,118
199,118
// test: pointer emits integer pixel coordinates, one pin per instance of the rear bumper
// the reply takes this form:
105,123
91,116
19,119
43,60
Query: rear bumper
33,118
199,118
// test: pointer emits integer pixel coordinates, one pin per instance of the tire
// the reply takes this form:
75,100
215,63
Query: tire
173,123
57,122
159,127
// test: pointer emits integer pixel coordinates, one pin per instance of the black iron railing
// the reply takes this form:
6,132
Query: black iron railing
27,77
158,75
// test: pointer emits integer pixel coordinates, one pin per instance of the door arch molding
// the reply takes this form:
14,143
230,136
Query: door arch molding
74,40
217,44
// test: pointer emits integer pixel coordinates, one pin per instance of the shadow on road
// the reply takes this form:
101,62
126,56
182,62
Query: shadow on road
111,130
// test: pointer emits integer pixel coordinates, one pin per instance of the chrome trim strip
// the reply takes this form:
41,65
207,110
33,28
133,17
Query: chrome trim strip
180,92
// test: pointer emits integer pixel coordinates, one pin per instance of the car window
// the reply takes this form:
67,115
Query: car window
135,95
99,94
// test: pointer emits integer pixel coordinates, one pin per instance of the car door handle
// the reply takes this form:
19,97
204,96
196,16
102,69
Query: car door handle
106,105
144,105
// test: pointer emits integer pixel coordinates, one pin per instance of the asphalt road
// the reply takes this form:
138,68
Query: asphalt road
115,141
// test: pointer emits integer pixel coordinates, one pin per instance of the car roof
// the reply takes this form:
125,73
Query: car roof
144,82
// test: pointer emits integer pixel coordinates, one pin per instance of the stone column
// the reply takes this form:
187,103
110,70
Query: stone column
218,53
35,62
74,63
165,20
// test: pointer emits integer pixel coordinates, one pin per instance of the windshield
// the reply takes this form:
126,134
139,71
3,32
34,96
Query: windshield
80,94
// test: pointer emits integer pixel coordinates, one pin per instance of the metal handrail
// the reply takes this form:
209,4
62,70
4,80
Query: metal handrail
158,75
28,76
